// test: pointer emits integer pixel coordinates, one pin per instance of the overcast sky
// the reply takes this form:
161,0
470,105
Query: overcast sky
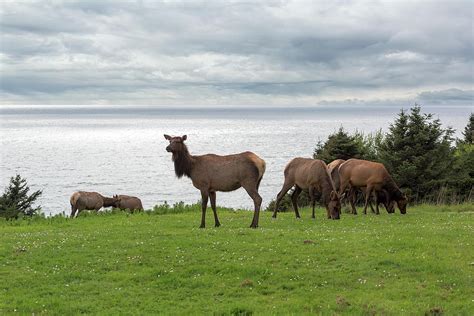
236,53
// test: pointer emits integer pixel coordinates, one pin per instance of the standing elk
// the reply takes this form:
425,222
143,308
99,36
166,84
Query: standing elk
311,174
380,196
211,173
374,177
89,201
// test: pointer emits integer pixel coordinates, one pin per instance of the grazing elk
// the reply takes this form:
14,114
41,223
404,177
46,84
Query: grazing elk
372,176
131,203
211,173
311,174
89,201
333,169
380,196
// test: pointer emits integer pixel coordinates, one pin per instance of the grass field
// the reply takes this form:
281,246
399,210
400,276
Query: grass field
419,263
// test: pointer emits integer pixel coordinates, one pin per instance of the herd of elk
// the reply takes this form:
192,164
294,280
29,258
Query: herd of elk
211,173
82,200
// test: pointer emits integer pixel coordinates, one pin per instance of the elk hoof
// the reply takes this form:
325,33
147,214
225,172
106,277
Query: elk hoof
202,226
218,224
274,216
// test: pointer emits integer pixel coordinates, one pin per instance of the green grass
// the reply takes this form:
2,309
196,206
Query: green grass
419,263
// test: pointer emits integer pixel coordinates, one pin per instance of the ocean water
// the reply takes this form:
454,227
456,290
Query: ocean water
122,150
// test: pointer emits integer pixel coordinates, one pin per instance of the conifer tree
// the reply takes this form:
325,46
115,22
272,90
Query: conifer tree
417,151
15,200
339,145
469,131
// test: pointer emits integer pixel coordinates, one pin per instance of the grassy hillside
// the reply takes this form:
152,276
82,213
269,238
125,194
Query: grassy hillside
419,263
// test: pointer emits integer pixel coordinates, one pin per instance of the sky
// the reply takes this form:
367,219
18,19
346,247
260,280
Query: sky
236,53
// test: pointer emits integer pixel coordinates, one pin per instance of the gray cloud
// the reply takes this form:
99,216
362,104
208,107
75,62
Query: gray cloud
214,52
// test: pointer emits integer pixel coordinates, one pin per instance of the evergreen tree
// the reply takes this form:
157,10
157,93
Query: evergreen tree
417,152
369,144
15,200
469,131
339,145
463,169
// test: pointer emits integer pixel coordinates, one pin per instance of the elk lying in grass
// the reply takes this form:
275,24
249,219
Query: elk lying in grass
89,201
211,173
311,174
372,176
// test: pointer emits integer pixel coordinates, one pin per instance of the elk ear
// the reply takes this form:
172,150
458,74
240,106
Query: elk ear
333,195
184,137
168,137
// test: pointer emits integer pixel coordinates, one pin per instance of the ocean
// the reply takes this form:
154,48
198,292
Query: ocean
122,150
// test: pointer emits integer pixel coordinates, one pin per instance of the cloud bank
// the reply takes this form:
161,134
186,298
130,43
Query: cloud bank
236,53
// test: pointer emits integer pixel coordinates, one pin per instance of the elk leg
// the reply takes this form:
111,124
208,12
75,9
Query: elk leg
352,199
294,200
281,194
73,211
387,201
350,196
313,200
368,192
257,201
204,198
212,195
377,201
370,201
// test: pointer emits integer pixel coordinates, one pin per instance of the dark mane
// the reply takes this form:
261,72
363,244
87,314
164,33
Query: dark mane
182,163
392,189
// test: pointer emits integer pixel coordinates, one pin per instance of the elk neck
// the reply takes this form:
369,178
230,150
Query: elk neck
326,188
392,189
108,201
183,162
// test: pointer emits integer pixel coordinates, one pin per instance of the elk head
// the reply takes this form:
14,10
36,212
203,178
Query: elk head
176,143
116,201
402,204
334,205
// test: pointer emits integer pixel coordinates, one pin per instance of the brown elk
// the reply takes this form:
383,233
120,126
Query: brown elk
311,174
131,203
374,177
89,201
211,173
333,169
351,195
